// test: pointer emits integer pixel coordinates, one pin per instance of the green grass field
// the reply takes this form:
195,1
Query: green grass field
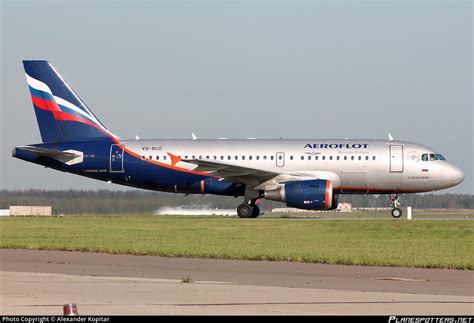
430,244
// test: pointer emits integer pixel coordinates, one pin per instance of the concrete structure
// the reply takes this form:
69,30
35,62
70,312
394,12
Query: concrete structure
5,212
21,210
344,207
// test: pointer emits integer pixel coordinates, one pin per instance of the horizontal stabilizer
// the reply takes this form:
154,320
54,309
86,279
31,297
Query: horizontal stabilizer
69,157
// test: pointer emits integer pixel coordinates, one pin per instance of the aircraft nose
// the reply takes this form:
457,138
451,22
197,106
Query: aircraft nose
456,175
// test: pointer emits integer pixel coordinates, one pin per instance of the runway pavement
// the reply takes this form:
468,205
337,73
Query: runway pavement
40,282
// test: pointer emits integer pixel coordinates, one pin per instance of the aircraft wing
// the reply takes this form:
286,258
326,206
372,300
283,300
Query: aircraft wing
256,178
231,172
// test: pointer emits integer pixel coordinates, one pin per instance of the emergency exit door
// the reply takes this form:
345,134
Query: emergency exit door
280,159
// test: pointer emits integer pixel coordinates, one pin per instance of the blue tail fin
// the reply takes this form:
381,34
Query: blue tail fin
61,114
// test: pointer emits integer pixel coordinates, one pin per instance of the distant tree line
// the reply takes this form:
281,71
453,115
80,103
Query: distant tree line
137,201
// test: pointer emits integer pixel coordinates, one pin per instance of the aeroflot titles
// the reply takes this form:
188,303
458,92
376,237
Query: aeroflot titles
336,146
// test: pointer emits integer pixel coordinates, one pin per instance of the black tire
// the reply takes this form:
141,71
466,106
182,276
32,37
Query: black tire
255,211
244,211
397,213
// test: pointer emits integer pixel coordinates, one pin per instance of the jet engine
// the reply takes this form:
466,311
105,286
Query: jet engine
309,195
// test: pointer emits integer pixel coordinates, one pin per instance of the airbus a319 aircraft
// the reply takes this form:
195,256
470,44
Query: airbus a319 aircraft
304,174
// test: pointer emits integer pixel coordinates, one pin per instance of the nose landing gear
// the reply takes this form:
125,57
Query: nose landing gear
395,205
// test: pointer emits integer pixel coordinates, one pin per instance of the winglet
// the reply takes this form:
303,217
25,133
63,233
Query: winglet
390,137
194,136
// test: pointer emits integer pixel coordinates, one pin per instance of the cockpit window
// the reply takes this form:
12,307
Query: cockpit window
431,157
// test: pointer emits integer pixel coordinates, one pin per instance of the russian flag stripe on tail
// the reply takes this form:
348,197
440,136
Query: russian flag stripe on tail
61,114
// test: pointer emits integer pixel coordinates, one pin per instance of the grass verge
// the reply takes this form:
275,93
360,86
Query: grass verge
428,244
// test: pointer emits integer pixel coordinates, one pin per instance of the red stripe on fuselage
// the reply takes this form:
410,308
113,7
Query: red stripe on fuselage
184,170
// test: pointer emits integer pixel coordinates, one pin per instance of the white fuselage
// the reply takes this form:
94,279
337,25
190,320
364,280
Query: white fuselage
353,166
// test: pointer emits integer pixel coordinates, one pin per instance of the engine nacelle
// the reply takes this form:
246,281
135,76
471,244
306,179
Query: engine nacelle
309,195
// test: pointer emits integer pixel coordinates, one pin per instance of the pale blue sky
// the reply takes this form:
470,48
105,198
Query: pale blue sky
245,69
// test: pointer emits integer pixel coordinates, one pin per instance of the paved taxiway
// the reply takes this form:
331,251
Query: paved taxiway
40,282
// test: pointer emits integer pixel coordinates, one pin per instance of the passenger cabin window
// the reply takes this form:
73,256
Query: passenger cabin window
250,157
309,157
352,157
271,157
366,157
338,157
302,157
330,157
345,157
291,157
164,157
258,157
373,158
157,157
324,157
360,157
316,157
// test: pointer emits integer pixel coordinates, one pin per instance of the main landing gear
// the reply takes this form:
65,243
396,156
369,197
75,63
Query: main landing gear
248,210
394,204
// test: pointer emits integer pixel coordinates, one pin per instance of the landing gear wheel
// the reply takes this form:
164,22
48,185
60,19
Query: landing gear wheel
245,211
255,211
396,212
